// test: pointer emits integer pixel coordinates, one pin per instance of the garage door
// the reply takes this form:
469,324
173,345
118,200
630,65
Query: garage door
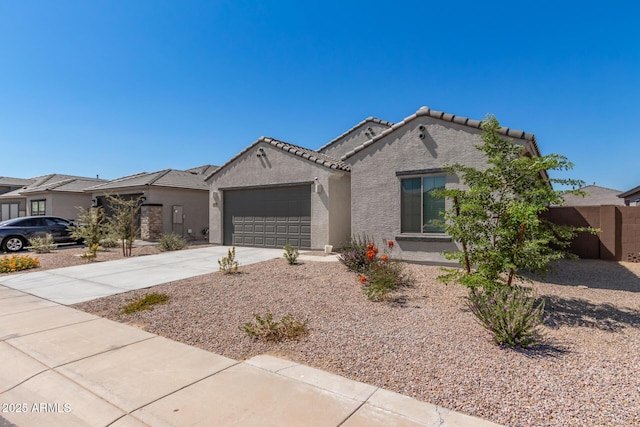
268,217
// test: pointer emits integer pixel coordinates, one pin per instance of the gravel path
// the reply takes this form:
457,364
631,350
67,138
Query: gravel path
426,344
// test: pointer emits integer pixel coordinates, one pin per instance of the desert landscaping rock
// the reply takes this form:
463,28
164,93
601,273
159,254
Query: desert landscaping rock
425,343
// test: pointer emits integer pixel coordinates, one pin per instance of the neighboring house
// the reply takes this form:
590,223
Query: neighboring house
374,180
173,200
53,194
631,197
595,196
12,209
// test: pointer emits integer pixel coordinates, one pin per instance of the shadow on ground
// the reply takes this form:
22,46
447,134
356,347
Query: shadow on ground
579,312
593,273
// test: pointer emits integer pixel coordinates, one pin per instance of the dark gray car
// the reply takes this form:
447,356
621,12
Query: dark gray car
15,233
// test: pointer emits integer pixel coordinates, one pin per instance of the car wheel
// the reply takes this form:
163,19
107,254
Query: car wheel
13,244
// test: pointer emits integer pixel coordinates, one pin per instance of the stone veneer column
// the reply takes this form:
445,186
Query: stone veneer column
150,222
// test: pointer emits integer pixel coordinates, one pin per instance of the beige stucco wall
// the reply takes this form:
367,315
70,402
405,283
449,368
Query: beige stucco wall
278,167
375,187
64,205
357,137
194,208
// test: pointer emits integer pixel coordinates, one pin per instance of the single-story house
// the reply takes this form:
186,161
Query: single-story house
631,197
53,194
174,201
594,196
374,180
12,209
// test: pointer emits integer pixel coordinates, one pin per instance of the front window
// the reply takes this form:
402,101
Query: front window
421,211
38,207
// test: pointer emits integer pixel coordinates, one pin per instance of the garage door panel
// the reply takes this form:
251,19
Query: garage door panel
268,217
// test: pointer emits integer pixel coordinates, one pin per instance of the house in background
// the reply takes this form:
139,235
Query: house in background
53,194
372,180
174,201
595,196
631,197
12,209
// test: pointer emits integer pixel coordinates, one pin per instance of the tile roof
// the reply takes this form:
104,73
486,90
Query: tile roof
165,178
632,192
305,153
73,185
426,111
5,180
595,196
203,170
362,123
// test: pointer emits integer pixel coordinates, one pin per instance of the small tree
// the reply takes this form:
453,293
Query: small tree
91,226
122,220
497,217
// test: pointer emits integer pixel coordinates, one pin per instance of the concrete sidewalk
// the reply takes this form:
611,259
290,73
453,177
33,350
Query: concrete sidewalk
64,367
71,285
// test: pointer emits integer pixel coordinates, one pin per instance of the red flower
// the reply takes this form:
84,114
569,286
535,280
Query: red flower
390,243
363,279
370,246
371,255
384,258
375,250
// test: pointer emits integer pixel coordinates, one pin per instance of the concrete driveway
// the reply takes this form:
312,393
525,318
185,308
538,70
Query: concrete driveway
71,285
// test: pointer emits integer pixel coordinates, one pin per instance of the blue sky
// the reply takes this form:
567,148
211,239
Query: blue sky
112,88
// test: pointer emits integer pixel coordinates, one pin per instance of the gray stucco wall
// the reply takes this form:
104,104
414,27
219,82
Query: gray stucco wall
64,205
276,167
339,209
375,187
350,141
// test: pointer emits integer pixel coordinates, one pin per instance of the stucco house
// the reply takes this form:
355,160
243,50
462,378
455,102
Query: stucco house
53,194
173,200
374,179
631,197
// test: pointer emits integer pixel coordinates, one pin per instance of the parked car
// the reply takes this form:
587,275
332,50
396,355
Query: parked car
15,233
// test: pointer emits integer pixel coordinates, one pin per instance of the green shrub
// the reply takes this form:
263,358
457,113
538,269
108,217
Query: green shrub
510,313
145,302
291,254
267,329
228,264
108,242
9,264
42,245
382,278
171,242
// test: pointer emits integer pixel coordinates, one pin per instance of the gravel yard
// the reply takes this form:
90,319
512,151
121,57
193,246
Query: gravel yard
425,343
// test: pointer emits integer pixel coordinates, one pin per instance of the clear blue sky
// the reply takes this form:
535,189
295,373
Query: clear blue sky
119,87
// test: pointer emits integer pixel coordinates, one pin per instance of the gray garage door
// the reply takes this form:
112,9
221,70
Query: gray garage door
268,217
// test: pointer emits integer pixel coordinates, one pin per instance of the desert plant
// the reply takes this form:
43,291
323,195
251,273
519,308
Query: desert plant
108,242
356,255
228,264
510,313
9,264
122,220
171,242
90,227
145,302
291,254
42,245
382,278
92,253
265,328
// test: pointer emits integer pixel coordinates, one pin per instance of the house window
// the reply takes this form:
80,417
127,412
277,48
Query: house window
38,207
421,211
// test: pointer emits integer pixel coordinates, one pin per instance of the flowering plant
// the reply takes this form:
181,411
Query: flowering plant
13,263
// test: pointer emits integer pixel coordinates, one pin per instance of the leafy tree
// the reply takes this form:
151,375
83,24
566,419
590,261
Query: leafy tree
122,220
496,217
